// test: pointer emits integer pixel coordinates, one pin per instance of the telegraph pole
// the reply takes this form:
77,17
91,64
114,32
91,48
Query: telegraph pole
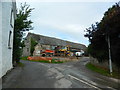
110,61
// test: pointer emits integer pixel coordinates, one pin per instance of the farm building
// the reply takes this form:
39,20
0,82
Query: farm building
48,43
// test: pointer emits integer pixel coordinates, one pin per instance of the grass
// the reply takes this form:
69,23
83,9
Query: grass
103,71
24,58
52,61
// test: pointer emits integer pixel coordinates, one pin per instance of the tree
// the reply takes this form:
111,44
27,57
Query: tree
22,24
108,27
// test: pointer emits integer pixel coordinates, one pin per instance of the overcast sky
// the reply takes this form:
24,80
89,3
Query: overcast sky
66,20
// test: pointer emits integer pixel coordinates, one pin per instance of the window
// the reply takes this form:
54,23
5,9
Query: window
27,49
9,40
11,19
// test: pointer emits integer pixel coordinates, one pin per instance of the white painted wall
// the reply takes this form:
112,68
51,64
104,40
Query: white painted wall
0,39
6,53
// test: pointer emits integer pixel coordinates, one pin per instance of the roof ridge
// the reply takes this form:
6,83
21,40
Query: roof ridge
55,38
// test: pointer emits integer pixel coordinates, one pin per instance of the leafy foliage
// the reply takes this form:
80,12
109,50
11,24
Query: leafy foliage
98,35
22,24
33,44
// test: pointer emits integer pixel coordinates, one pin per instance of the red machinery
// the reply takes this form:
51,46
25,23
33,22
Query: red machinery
47,53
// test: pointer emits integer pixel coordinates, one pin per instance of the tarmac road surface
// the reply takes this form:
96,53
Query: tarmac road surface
67,75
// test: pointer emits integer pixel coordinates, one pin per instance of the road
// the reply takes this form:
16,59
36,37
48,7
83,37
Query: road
67,75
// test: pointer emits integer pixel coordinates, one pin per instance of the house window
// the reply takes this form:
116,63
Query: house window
9,40
27,49
11,19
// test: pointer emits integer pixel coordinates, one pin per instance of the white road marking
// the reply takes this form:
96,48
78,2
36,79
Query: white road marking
84,82
111,88
90,84
115,80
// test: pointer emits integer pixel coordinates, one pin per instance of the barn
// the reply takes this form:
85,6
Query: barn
48,43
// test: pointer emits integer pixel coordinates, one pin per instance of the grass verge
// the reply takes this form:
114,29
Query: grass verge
24,58
102,71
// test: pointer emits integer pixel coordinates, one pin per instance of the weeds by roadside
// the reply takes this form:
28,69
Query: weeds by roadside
103,71
24,58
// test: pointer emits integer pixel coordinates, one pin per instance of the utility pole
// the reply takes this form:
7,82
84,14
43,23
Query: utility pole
110,61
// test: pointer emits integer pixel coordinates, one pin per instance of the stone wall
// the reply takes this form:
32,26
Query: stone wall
26,49
37,50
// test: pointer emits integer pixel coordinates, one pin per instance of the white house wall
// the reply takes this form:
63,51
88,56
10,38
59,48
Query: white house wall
6,28
0,39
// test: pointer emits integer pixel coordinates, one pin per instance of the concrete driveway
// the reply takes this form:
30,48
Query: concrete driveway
67,75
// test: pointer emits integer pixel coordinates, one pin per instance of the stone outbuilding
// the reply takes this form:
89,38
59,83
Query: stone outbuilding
45,42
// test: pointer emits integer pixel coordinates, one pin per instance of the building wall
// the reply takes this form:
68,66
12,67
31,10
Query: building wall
6,44
26,49
39,47
0,39
37,50
44,47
